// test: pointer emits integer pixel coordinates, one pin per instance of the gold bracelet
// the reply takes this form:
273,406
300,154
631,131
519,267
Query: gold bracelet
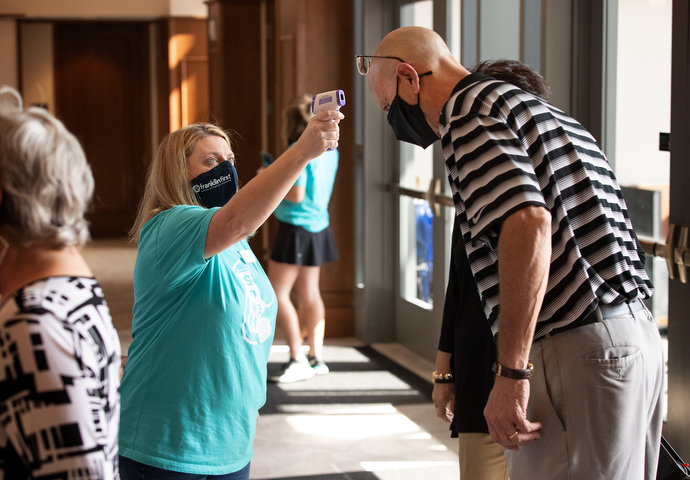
442,377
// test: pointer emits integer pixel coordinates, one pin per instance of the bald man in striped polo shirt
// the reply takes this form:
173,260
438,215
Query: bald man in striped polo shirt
557,265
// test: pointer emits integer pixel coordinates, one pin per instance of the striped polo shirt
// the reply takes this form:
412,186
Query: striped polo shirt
506,150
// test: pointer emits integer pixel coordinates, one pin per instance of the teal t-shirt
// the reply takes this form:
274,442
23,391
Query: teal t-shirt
202,330
317,179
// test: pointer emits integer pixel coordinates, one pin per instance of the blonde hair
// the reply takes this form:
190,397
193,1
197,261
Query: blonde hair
167,184
296,115
46,182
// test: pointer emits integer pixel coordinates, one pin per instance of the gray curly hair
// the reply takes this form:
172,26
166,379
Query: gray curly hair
45,181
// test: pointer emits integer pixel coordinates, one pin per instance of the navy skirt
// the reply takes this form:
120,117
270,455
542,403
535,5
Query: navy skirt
298,246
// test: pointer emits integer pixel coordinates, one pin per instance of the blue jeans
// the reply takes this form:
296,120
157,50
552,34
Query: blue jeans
131,470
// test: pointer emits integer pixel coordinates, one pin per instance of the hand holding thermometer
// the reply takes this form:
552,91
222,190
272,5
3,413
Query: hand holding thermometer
332,100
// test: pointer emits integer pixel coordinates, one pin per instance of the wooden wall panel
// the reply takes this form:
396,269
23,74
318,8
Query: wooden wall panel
324,60
162,70
305,51
330,66
102,96
235,78
188,71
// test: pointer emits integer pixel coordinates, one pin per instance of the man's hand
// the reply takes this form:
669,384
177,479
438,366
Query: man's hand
506,414
444,400
524,253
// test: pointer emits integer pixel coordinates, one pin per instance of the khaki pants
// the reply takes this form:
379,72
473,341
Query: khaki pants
481,458
597,391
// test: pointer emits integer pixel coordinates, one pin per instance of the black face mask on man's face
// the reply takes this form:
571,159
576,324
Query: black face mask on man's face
408,121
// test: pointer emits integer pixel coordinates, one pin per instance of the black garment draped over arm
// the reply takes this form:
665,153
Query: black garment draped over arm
465,333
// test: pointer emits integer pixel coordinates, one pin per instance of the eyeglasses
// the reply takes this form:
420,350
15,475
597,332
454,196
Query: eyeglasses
363,62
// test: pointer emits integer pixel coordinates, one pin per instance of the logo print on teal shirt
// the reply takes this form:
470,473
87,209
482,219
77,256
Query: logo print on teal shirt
256,328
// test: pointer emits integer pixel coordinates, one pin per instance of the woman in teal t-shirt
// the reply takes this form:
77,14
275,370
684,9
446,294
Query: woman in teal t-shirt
304,241
204,310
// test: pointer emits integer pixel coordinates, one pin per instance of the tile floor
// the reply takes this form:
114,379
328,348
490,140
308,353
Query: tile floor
337,442
406,442
334,442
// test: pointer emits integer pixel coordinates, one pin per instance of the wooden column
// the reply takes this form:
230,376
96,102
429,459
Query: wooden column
306,46
235,78
188,71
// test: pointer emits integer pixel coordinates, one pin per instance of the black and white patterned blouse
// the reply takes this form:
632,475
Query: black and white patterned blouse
59,379
505,150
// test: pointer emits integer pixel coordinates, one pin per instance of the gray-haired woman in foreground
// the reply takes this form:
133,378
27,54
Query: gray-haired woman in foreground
59,352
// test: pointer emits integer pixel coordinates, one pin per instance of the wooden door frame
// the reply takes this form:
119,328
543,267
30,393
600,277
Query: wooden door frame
679,293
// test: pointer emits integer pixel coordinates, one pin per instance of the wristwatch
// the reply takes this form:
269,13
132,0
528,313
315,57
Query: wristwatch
442,377
502,371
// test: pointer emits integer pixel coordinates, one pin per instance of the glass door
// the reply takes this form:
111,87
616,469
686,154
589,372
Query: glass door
638,144
638,116
424,225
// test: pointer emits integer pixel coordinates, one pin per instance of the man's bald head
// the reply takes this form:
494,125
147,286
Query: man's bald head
420,47
419,52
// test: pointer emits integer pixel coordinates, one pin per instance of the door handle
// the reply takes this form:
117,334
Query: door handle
675,252
432,195
681,254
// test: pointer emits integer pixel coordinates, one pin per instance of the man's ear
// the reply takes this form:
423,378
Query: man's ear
408,75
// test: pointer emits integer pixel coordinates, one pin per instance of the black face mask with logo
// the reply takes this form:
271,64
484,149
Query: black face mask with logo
408,121
216,187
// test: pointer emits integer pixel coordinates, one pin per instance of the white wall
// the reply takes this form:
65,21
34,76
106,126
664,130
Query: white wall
499,29
91,9
643,100
188,8
557,54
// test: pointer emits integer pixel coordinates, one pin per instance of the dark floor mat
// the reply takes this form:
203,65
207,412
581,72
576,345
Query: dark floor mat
360,376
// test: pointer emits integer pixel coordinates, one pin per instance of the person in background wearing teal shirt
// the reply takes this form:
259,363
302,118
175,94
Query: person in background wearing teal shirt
204,310
304,241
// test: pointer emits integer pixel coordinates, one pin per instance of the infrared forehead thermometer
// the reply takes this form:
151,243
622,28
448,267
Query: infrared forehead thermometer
332,100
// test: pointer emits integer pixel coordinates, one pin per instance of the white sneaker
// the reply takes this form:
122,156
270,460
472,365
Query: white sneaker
293,371
318,365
